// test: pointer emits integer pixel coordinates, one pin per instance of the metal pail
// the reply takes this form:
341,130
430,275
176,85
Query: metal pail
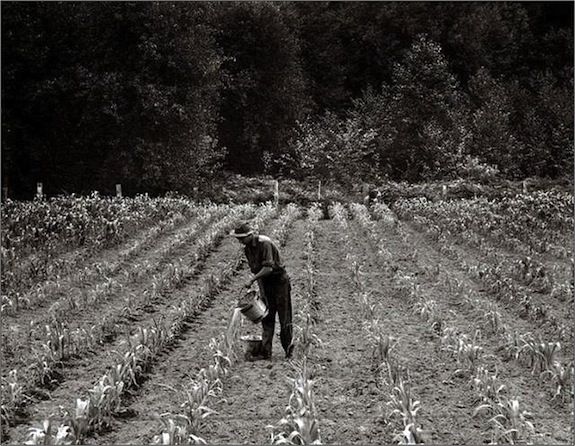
253,307
253,344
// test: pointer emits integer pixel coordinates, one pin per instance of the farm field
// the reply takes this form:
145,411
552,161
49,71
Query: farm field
445,322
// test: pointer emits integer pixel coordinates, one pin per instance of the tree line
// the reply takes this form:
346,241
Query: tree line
167,96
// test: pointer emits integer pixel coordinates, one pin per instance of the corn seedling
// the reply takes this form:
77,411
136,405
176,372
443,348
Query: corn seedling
486,385
539,355
427,309
46,436
403,404
562,377
383,345
468,353
221,357
195,406
492,318
300,425
356,273
510,423
79,421
12,396
176,431
368,308
411,435
307,337
512,345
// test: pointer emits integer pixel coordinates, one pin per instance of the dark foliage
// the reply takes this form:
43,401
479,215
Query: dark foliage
163,96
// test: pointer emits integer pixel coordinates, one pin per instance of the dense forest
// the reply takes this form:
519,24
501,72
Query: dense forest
164,96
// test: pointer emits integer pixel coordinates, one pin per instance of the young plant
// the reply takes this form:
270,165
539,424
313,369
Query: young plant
46,436
176,431
562,377
486,385
492,319
402,403
300,425
510,423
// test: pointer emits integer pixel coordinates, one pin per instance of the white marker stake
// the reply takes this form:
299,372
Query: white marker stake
276,192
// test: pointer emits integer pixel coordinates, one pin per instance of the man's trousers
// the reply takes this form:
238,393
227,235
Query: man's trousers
277,294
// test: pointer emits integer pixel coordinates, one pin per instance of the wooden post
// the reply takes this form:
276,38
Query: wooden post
319,190
524,186
364,190
4,193
276,192
39,192
444,190
119,190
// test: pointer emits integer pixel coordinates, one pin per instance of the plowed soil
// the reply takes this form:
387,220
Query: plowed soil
350,401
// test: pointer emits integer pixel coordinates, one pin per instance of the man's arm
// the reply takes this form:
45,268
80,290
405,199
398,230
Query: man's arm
265,271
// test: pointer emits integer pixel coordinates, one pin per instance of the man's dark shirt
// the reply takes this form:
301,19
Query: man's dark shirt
262,251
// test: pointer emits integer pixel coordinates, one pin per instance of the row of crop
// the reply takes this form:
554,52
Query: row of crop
533,351
199,394
510,423
466,352
74,221
103,271
35,234
527,223
96,410
514,281
392,376
214,223
300,424
527,270
60,343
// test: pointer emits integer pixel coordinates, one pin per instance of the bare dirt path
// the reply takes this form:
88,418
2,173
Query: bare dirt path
345,388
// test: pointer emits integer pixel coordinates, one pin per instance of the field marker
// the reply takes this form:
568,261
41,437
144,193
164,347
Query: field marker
276,192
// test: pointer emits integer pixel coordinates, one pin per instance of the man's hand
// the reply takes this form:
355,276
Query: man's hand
248,284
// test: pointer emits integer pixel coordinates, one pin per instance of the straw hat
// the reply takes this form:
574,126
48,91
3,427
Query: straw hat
243,230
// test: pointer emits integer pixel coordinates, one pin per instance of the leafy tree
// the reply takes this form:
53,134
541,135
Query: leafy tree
543,122
331,148
426,112
493,140
101,93
264,92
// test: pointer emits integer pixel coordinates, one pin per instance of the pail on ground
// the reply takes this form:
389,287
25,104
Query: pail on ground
253,344
252,306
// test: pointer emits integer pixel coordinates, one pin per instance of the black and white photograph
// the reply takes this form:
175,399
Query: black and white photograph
287,222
